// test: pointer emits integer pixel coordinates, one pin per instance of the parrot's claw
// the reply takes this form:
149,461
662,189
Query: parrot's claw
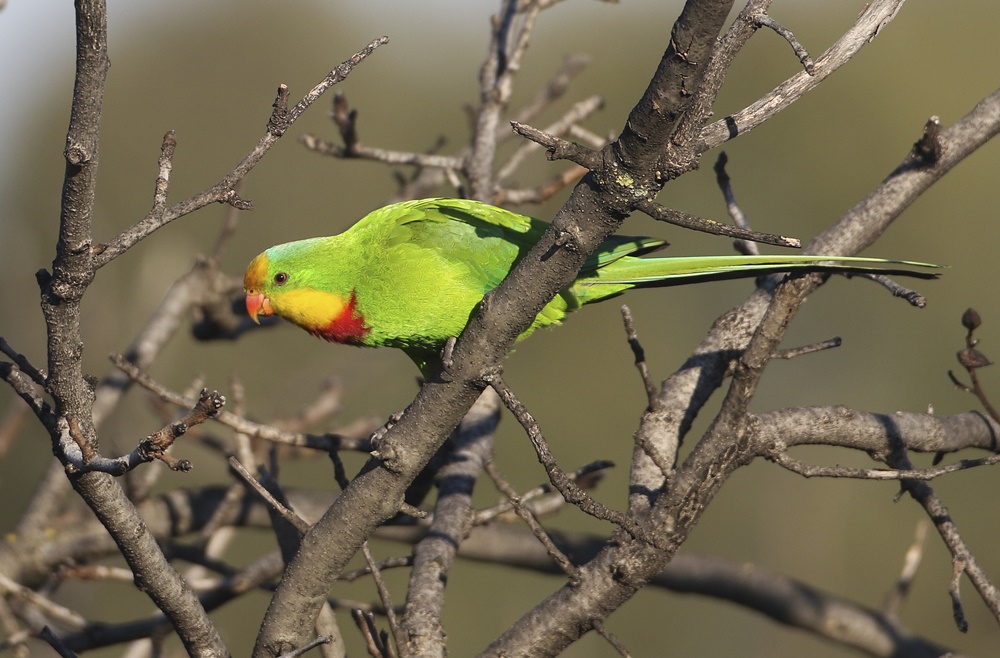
380,433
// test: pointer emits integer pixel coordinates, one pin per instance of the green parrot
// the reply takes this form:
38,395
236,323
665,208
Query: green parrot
410,275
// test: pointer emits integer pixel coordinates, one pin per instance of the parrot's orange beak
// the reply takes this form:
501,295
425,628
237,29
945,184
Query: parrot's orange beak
257,302
258,305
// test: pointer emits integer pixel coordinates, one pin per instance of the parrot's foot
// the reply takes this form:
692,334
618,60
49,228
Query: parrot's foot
447,352
380,433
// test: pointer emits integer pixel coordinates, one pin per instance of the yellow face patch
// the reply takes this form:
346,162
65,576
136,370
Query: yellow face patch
309,308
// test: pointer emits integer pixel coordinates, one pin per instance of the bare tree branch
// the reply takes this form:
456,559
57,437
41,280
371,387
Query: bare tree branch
224,191
963,559
868,25
453,515
325,442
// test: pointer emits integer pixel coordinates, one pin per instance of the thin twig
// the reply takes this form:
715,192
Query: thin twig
365,622
541,193
683,219
384,596
59,613
24,365
948,530
578,112
586,478
640,356
593,139
289,515
325,147
558,148
308,646
244,445
957,611
763,20
911,562
166,164
529,519
323,442
553,90
154,446
808,470
235,495
735,212
794,352
913,297
388,563
563,484
875,16
972,360
95,572
24,387
615,643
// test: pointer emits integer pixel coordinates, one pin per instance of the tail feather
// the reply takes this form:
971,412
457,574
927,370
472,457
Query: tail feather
630,272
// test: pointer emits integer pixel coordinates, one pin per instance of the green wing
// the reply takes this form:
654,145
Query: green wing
488,239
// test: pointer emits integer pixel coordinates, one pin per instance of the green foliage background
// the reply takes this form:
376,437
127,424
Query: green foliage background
209,71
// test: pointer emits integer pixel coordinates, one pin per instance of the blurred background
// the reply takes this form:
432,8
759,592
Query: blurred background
209,71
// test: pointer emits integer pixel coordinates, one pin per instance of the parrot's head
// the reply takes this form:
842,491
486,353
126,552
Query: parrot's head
286,281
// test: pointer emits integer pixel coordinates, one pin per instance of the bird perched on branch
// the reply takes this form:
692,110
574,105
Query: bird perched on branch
410,275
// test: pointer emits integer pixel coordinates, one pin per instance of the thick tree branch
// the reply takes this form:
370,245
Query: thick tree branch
72,271
877,434
453,516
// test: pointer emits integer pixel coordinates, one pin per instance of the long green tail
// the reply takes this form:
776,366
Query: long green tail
630,272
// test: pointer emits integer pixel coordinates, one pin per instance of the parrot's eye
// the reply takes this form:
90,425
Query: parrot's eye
281,278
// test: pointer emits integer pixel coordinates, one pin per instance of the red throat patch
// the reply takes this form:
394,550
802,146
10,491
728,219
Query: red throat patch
348,327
